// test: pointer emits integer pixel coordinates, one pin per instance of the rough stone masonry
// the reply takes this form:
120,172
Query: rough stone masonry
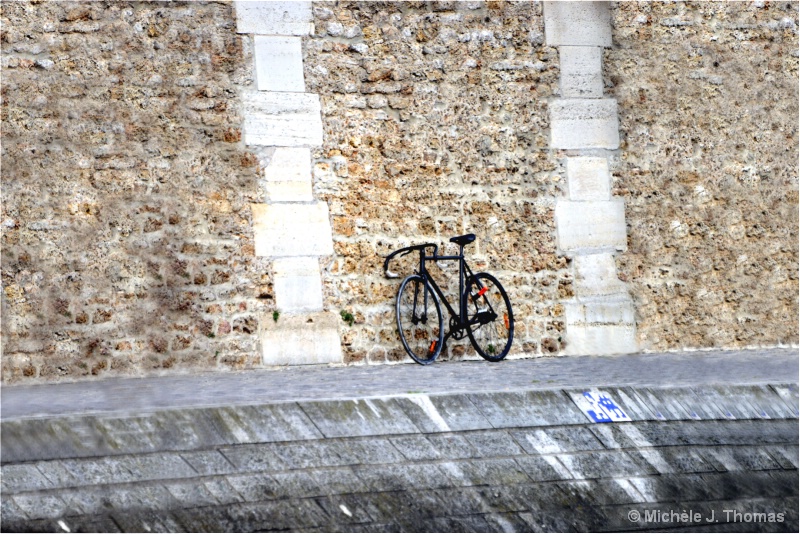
137,193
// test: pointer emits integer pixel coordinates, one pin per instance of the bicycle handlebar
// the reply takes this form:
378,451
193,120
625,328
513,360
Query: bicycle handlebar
402,252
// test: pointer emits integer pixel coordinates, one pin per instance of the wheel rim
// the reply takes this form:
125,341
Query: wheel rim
491,327
419,322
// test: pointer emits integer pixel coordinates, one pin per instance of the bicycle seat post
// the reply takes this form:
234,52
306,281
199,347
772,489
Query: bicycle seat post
461,275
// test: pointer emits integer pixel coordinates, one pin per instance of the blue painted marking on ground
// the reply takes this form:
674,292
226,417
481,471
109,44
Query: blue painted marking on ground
602,409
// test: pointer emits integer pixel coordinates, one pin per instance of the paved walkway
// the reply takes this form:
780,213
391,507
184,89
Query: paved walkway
137,395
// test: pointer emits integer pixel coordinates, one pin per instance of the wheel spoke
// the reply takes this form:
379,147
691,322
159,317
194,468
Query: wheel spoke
489,316
419,320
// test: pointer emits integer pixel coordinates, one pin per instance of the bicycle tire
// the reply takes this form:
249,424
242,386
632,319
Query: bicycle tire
490,320
422,335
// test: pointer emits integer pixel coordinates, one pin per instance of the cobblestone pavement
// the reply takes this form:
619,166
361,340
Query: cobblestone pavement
331,382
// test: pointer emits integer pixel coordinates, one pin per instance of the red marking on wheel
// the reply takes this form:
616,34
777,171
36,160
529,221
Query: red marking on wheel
432,348
482,291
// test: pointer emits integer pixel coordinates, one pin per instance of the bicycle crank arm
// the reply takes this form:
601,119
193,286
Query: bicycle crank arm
485,317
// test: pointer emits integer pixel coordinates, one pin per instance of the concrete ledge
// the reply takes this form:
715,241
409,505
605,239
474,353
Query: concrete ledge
164,430
521,409
157,393
323,449
201,428
584,124
274,18
505,461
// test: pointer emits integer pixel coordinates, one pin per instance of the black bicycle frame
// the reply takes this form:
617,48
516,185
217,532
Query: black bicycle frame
463,270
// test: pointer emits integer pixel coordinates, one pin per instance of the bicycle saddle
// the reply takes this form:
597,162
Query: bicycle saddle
462,240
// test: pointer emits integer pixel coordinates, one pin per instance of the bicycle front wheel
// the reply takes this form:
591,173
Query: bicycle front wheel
490,321
419,320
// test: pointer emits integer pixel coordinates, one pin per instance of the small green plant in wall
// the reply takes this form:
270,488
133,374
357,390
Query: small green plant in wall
347,317
275,315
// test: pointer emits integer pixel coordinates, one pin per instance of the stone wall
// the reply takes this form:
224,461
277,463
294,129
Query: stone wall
708,103
435,118
127,240
127,228
453,97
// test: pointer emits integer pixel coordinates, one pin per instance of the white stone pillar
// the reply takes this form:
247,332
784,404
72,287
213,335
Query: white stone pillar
590,223
292,228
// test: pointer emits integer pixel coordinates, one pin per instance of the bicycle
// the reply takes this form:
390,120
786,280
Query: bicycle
484,311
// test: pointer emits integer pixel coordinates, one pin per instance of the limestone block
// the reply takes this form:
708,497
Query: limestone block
301,339
577,23
603,325
279,63
274,18
593,226
298,285
581,71
600,339
292,229
616,309
588,178
289,191
288,175
281,119
584,123
596,275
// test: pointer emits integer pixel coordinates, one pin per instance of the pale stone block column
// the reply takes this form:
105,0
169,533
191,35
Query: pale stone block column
590,227
286,229
279,64
297,284
288,175
581,71
588,178
578,123
292,228
590,222
282,119
274,18
577,23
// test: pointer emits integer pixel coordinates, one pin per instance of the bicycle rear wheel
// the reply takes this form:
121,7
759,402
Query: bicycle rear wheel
419,320
490,321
